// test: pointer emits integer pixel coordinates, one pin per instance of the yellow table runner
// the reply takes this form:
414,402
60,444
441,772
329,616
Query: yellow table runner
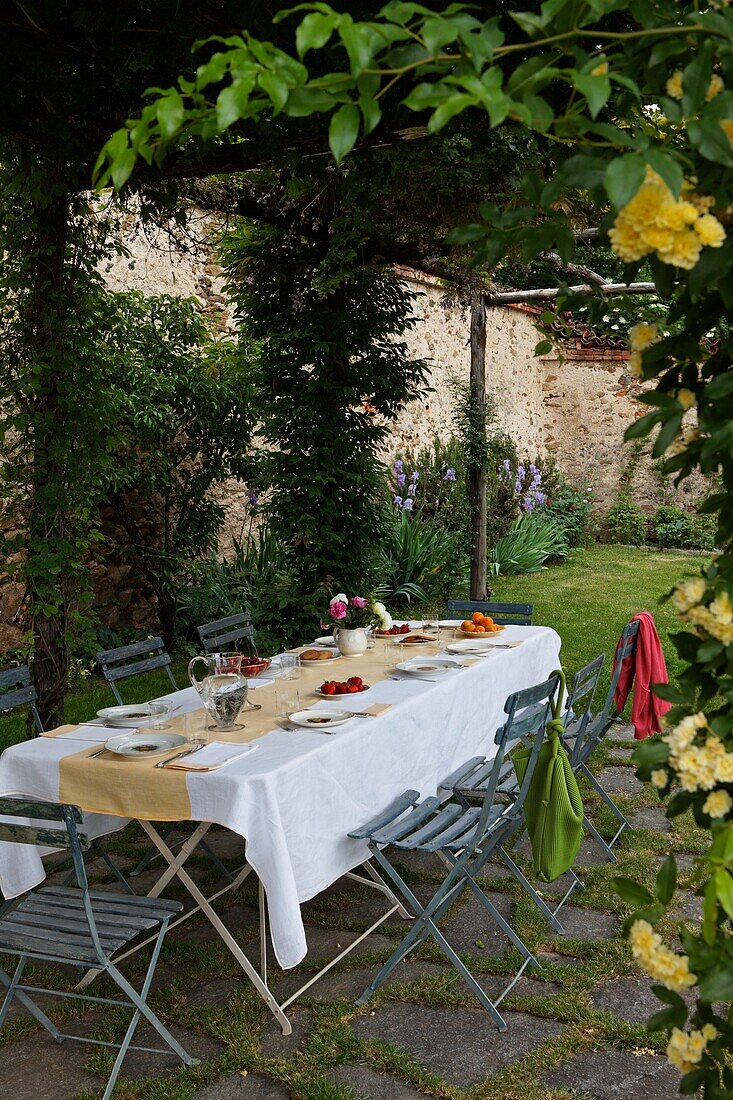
136,788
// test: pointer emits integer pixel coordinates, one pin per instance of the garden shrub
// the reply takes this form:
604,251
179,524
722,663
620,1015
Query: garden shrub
566,503
676,528
626,522
419,561
532,540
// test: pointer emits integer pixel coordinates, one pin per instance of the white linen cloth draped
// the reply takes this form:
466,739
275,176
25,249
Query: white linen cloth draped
297,797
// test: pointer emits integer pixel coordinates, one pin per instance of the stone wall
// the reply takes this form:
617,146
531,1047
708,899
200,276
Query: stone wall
576,410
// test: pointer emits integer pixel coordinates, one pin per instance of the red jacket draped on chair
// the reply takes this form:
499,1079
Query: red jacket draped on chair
645,668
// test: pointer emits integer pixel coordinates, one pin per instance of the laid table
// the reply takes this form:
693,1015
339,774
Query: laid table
295,797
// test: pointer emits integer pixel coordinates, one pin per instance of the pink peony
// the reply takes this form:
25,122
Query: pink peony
337,609
358,601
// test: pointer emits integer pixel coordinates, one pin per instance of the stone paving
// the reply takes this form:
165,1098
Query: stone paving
575,1029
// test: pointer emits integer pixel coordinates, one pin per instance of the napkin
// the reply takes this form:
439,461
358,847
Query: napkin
89,732
214,756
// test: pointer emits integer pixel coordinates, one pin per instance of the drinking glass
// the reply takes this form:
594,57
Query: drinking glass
163,709
287,699
290,666
195,729
391,653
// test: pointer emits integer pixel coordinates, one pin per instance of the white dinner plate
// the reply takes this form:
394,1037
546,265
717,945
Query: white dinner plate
474,645
133,717
344,696
320,719
427,666
136,745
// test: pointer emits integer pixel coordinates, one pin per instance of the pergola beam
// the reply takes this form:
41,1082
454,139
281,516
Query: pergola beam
549,294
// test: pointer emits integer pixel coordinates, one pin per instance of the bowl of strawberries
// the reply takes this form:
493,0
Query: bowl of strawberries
352,686
253,666
393,631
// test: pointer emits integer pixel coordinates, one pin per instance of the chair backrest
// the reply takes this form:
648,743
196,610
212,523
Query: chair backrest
222,633
134,660
16,690
580,707
626,648
48,824
528,712
506,614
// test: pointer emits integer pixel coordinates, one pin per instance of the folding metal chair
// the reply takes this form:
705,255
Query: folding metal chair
16,690
125,663
134,660
80,927
505,614
469,782
588,730
465,838
227,632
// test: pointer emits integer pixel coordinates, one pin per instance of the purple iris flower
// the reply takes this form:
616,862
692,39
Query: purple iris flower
450,474
398,466
411,490
408,505
253,498
540,497
397,501
401,480
414,476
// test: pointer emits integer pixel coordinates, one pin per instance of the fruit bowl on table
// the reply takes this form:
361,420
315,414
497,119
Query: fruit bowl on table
333,689
478,626
254,666
393,632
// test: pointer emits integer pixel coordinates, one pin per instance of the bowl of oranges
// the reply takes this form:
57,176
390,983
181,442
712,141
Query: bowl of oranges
479,624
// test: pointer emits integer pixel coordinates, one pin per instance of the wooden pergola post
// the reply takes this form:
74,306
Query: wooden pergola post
477,474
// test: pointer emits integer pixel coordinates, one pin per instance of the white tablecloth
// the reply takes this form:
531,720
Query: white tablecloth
296,799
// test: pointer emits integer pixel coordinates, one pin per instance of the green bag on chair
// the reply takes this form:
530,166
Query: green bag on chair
553,808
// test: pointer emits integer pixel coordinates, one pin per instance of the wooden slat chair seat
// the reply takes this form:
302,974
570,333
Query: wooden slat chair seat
464,837
16,690
470,782
134,660
224,634
81,927
505,614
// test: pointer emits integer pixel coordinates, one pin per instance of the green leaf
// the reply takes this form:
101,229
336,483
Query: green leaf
596,90
724,890
668,168
169,112
710,140
343,131
232,102
633,893
276,88
451,107
710,912
624,176
717,984
642,427
544,347
315,31
371,113
121,168
666,880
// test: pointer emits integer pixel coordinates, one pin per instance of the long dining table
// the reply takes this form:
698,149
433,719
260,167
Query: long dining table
296,794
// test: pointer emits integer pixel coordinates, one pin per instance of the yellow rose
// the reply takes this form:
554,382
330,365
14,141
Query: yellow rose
659,778
643,335
727,127
710,231
717,804
674,85
715,87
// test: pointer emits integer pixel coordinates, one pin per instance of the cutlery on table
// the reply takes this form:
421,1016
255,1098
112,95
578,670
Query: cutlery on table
178,755
406,679
94,755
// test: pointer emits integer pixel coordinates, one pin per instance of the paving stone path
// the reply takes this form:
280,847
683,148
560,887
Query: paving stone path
575,1028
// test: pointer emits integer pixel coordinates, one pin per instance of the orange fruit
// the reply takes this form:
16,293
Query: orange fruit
495,629
480,629
471,628
466,624
477,617
488,621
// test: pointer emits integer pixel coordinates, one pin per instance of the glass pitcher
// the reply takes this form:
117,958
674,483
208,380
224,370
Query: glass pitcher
223,689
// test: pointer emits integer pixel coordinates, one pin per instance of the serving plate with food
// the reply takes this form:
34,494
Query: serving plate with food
428,666
415,637
320,720
477,625
353,686
135,716
319,655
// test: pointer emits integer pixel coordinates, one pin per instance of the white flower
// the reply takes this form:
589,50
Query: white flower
342,597
385,619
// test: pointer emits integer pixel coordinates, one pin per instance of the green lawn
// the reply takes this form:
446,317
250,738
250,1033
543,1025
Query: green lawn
587,600
590,597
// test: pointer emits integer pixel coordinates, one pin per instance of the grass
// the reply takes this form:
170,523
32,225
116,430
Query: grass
586,599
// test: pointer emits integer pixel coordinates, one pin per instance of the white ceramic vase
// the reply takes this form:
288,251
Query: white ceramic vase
351,642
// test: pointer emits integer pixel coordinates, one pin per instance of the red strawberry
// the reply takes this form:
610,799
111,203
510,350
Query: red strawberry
355,680
342,689
328,688
354,688
404,629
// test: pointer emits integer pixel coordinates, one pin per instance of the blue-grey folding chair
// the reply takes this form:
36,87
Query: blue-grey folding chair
469,782
16,690
505,614
465,838
80,927
134,660
125,663
588,730
227,633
